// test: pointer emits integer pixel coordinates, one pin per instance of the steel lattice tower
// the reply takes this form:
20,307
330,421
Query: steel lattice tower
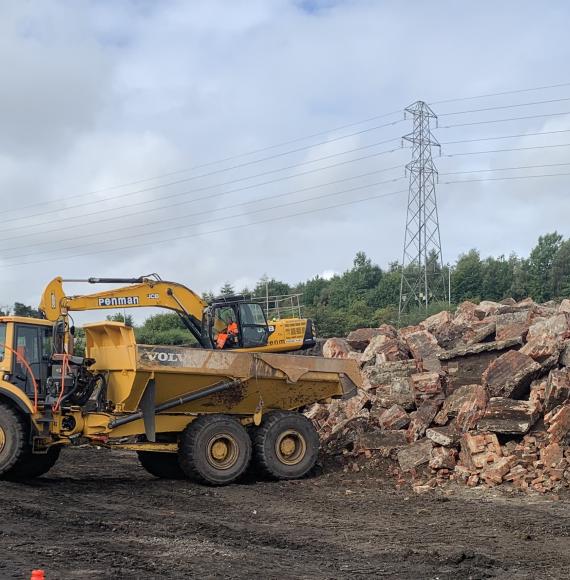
422,280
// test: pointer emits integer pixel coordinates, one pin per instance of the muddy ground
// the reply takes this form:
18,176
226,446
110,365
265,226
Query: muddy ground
97,515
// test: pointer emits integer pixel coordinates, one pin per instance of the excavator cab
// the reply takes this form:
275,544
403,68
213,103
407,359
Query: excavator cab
252,327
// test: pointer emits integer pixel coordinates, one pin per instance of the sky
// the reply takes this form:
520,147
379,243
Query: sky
127,132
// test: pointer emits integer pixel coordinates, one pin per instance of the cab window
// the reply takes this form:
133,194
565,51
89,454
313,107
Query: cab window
2,339
253,325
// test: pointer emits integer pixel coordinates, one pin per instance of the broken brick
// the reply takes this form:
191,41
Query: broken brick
467,404
479,450
395,418
557,388
422,418
427,386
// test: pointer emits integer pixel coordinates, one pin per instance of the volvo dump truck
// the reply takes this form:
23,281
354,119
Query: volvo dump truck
204,414
208,323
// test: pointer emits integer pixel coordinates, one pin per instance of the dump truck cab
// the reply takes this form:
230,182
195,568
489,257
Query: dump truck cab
26,347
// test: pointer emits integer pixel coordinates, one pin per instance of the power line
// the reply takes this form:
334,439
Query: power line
209,211
507,178
213,220
515,91
505,137
503,120
503,150
223,170
229,228
193,200
505,168
513,106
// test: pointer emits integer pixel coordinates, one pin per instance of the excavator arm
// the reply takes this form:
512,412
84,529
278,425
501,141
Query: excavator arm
140,292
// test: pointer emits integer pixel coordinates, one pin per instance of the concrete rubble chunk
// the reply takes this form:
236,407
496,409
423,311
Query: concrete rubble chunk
542,348
415,455
383,348
465,365
443,458
557,388
465,313
478,451
446,436
510,375
486,308
395,418
555,326
508,416
398,392
512,324
336,348
427,386
467,404
360,338
480,331
421,419
564,358
437,321
424,348
385,373
384,441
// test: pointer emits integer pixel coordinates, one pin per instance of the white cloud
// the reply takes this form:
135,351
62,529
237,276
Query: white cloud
98,94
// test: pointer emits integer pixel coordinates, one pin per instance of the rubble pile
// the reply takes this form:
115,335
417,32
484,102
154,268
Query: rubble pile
481,397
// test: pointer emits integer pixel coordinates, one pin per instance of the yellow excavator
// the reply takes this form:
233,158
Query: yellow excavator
226,323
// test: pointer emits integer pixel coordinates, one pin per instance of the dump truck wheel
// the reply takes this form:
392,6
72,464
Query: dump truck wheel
285,445
33,465
12,439
163,465
215,449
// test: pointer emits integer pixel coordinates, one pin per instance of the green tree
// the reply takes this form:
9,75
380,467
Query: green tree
227,290
164,329
540,264
120,317
561,271
466,277
24,310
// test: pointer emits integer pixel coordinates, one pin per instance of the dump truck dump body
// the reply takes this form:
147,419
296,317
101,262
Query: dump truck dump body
274,381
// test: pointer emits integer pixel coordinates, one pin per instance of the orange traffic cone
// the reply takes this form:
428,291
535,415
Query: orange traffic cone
37,575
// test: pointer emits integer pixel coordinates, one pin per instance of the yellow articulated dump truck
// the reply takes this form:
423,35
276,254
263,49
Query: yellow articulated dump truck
188,412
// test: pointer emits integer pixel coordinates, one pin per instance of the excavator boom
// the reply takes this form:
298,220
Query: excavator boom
205,322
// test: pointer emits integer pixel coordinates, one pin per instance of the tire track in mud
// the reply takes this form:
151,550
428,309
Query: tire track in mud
101,515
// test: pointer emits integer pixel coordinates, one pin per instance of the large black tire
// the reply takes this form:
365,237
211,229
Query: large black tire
214,449
163,465
12,439
285,445
32,465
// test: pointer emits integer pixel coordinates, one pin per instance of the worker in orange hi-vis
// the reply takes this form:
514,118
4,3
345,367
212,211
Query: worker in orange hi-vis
228,336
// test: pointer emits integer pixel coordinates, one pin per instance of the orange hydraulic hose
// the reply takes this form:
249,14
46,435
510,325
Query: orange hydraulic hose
24,362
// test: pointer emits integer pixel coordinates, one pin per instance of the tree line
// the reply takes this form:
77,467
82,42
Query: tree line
368,295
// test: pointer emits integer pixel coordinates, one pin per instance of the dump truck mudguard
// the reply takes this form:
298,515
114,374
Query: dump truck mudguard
18,397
